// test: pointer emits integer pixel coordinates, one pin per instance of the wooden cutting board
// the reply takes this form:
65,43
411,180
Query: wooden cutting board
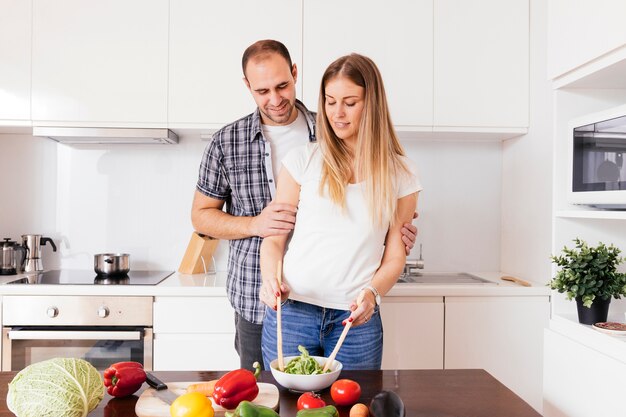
149,405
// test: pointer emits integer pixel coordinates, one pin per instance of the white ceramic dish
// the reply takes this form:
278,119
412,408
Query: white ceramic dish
306,382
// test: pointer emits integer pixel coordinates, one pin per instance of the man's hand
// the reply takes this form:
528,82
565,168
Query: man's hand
275,219
409,233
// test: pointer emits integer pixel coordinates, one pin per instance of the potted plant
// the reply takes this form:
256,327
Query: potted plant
590,276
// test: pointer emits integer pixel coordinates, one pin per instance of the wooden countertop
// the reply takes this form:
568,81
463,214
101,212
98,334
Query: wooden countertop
426,393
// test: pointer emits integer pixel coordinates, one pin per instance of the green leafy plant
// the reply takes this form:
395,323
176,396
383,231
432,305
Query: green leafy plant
589,272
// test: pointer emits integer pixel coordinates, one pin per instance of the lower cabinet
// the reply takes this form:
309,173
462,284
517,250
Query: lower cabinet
412,332
194,334
503,335
580,381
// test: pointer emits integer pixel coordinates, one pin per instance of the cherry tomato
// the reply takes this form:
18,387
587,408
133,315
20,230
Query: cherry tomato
345,391
310,400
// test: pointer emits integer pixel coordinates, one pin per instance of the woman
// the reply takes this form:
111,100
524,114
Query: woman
354,189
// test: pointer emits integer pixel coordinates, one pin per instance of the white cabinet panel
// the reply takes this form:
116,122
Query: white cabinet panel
195,352
194,333
581,32
206,44
481,63
580,381
413,332
397,36
15,47
193,315
503,335
100,62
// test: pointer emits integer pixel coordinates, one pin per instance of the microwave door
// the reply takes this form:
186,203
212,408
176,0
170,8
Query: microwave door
598,164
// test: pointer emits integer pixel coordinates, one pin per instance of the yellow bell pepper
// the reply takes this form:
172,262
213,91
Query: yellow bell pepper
192,404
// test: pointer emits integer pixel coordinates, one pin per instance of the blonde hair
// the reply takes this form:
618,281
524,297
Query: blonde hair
378,152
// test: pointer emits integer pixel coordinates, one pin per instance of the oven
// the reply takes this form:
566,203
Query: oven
101,330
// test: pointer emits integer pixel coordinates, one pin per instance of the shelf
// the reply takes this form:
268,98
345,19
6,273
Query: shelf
567,325
591,214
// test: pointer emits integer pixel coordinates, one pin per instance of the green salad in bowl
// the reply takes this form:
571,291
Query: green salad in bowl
305,372
304,364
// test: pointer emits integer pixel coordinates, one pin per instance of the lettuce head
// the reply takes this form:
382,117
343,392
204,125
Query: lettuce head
60,387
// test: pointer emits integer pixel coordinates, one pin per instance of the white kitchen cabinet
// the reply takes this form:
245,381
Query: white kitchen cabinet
503,335
100,63
397,36
583,32
580,381
481,65
412,332
15,48
194,334
207,40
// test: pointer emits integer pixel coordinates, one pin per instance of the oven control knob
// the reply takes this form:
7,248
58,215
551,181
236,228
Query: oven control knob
52,312
103,312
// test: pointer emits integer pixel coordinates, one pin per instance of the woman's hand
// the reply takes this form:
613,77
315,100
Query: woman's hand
270,291
362,308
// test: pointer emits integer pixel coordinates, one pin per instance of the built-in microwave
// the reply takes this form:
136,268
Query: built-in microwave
597,159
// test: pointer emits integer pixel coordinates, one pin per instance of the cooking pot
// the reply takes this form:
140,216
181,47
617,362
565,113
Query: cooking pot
111,264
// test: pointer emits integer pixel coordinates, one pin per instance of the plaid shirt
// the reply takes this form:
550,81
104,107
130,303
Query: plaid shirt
233,169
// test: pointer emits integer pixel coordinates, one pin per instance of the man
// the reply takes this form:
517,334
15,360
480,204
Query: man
239,168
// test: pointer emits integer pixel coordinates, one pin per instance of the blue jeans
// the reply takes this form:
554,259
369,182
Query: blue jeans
318,330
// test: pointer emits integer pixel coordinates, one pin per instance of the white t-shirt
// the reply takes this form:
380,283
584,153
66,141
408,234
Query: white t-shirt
333,253
282,139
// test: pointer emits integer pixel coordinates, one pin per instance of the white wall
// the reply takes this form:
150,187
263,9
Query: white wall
527,171
459,208
27,186
137,199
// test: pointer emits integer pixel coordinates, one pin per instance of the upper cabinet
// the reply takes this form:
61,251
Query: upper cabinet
481,65
207,40
452,68
455,68
398,37
100,63
584,38
15,43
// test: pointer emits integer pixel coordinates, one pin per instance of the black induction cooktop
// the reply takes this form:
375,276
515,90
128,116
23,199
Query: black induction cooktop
86,277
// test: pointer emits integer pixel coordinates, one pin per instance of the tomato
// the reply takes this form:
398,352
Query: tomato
310,400
192,404
345,391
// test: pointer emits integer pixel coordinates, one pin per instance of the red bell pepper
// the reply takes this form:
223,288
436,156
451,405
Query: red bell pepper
124,378
236,386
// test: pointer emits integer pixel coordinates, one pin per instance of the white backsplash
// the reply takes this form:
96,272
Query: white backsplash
137,199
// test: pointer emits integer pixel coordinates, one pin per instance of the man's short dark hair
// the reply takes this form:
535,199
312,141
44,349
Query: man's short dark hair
264,47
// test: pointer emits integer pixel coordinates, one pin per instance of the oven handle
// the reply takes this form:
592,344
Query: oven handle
75,335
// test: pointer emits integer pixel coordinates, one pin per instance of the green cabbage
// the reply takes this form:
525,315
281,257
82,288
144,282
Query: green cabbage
60,387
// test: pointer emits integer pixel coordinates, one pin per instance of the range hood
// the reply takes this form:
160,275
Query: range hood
94,135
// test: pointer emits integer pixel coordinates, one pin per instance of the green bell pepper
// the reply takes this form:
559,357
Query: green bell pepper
247,409
328,411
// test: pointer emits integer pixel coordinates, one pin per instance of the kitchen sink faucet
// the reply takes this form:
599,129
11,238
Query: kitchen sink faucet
411,265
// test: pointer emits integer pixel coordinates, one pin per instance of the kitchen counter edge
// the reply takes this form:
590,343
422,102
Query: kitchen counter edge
214,285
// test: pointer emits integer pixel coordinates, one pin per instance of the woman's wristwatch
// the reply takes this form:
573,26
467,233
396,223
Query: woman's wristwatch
375,292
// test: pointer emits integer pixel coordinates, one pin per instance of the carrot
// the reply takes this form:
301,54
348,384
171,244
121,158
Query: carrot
206,387
359,410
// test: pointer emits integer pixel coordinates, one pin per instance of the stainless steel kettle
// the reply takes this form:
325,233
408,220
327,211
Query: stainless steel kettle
10,261
33,244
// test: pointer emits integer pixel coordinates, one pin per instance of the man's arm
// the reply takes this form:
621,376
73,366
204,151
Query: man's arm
409,234
208,218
